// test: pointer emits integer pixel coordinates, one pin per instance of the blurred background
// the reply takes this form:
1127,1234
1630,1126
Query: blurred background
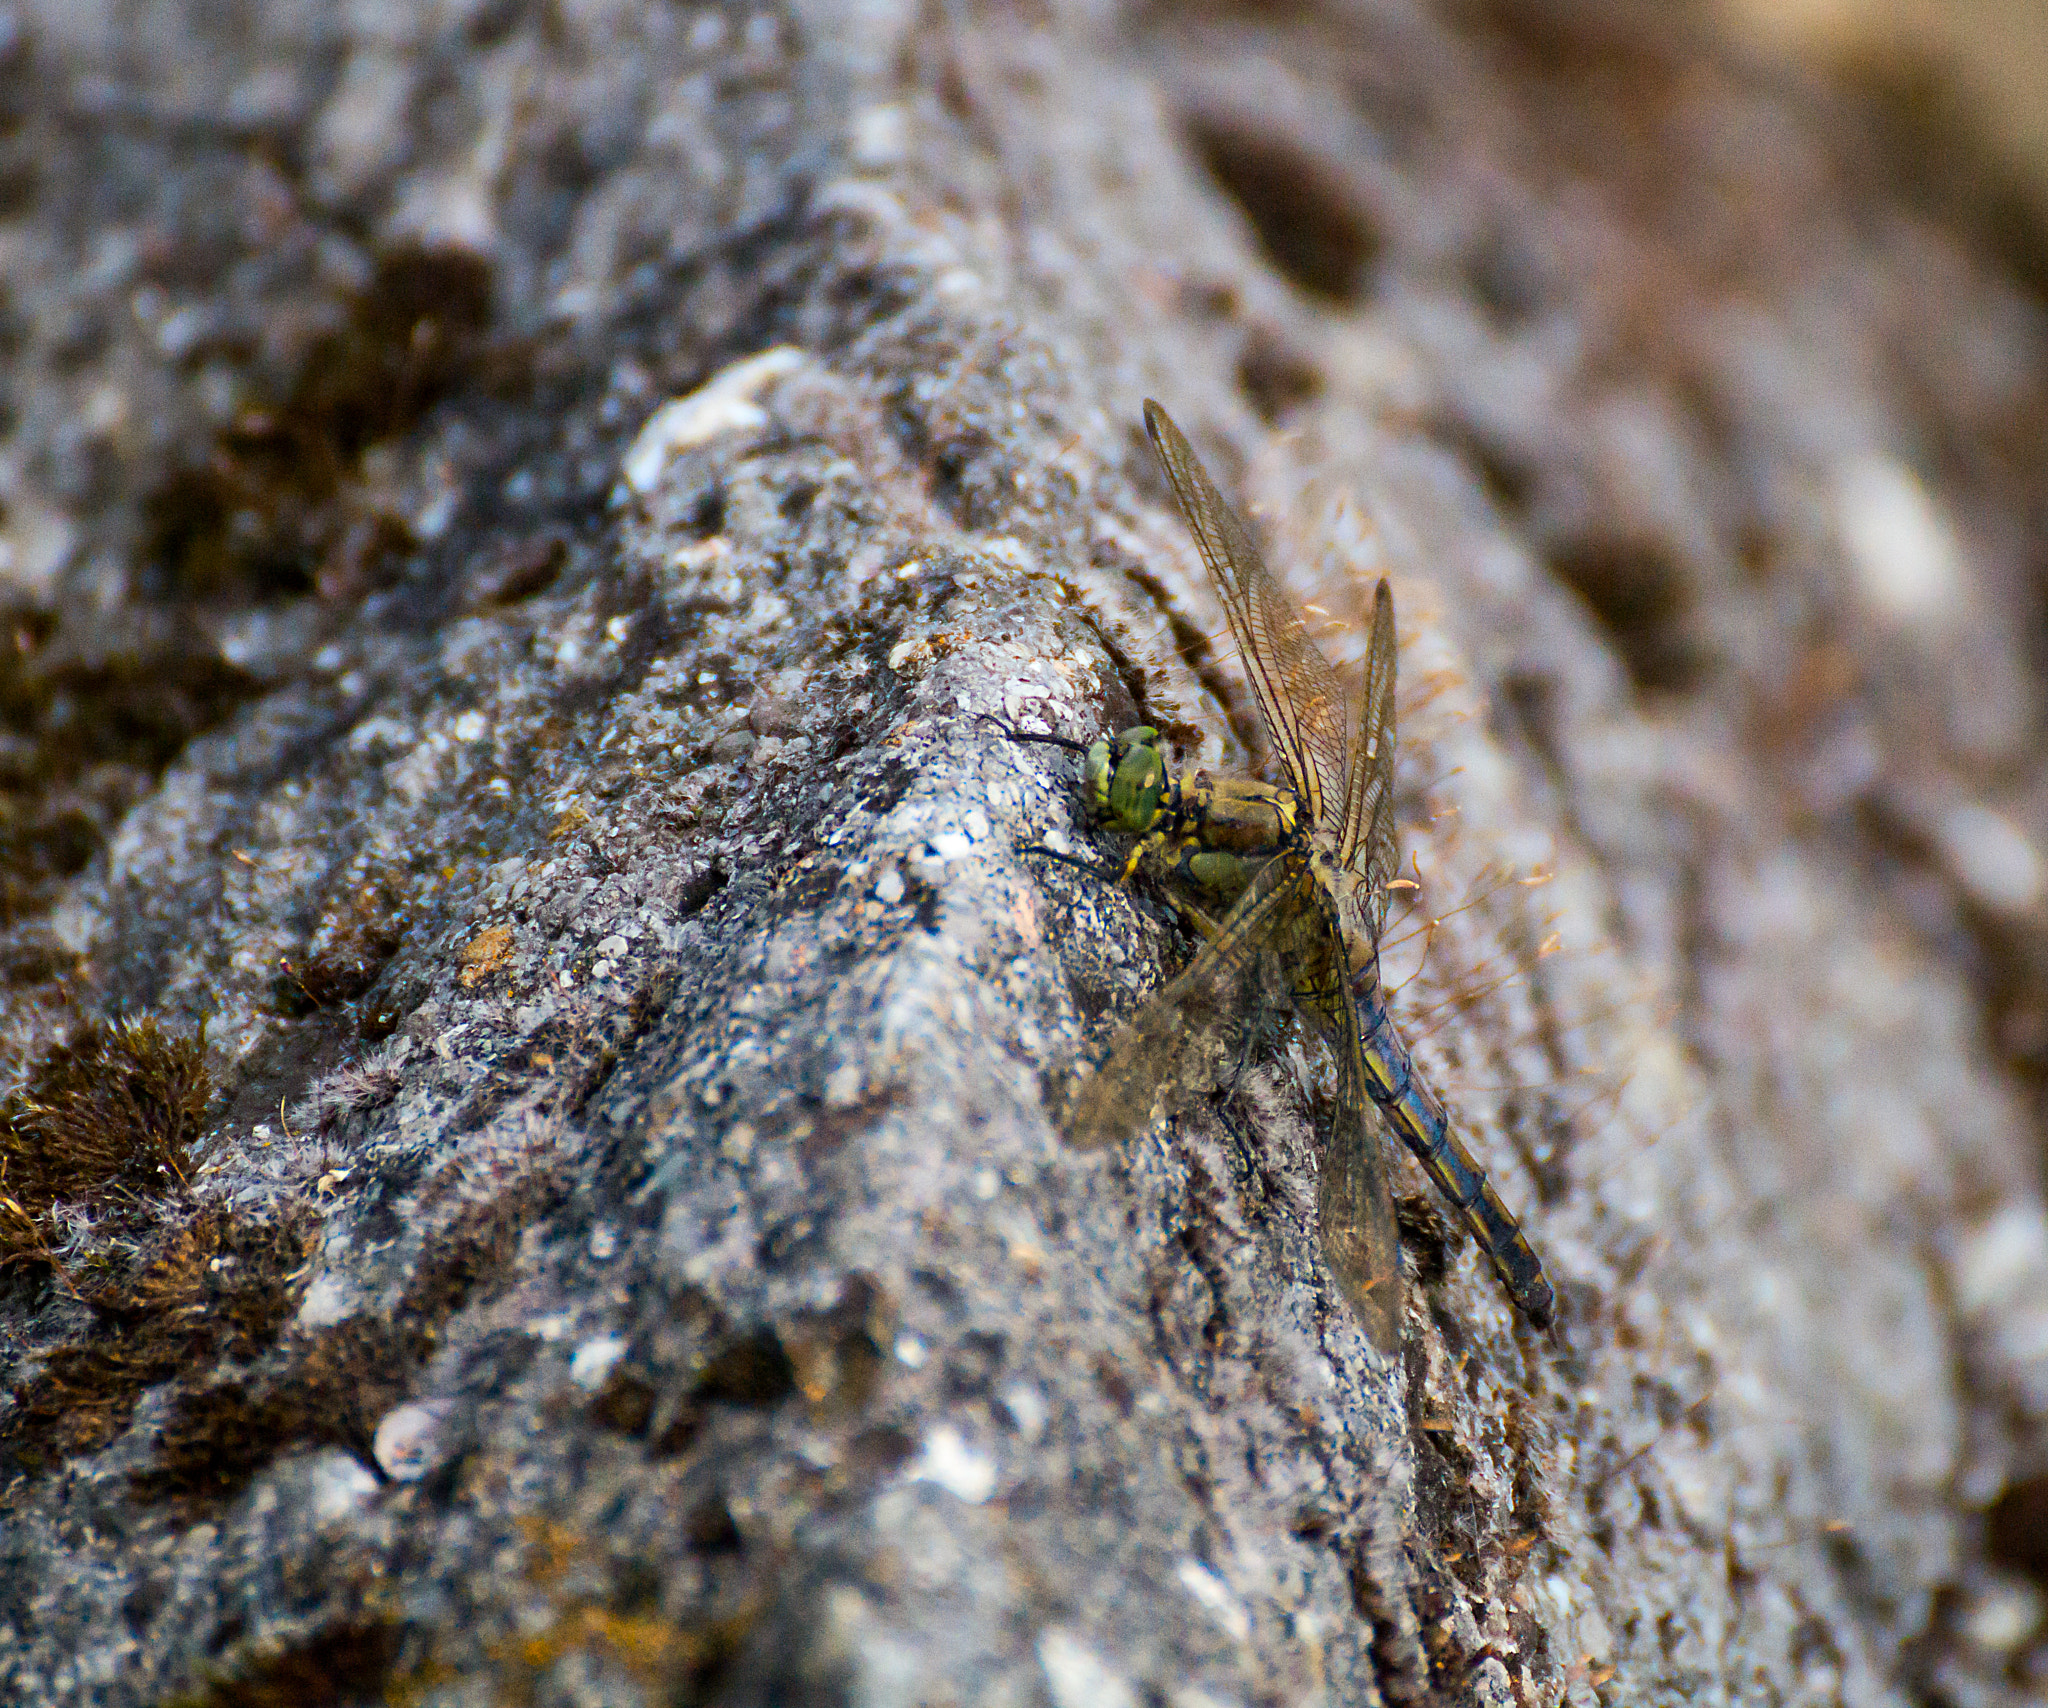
1962,84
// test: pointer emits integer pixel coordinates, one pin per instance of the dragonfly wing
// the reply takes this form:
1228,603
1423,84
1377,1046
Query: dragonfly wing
1177,1044
1367,845
1298,693
1354,1202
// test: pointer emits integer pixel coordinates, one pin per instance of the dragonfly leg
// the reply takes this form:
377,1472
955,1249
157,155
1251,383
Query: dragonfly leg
1034,737
1107,873
1148,851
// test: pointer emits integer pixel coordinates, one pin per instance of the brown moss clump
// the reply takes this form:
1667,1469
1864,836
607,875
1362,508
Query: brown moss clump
278,508
111,1116
87,717
213,1286
347,1662
330,1385
95,1157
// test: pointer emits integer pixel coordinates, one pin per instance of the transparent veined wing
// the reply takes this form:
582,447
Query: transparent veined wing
1298,693
1367,844
1354,1199
1176,1044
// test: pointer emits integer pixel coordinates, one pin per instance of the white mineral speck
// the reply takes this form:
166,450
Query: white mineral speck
2002,1259
406,1437
889,887
1992,857
594,1360
1900,542
327,1300
1194,1696
433,517
2006,1615
725,404
340,1484
1215,1598
1027,1409
1077,1676
879,137
962,1471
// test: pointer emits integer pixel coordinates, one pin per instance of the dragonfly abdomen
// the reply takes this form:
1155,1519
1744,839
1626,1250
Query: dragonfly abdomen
1413,1112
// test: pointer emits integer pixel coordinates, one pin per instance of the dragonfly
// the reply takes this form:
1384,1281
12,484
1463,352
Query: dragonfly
1305,870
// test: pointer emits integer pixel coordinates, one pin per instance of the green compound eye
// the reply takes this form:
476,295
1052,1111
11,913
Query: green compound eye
1096,767
1139,784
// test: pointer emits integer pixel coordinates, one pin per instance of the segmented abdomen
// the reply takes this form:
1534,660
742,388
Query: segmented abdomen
1412,1110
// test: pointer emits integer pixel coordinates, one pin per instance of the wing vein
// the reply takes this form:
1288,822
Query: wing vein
1299,695
1174,1044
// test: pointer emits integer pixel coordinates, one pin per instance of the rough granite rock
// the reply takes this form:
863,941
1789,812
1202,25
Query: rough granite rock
522,526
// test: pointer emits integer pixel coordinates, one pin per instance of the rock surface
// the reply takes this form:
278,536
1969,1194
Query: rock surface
518,522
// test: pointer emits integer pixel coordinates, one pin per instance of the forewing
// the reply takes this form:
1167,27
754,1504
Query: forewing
1298,692
1368,845
1354,1203
1176,1044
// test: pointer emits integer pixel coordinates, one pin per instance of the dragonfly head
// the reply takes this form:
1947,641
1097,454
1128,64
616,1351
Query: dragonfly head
1126,780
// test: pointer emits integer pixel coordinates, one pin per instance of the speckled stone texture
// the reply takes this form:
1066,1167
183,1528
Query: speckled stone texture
523,526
